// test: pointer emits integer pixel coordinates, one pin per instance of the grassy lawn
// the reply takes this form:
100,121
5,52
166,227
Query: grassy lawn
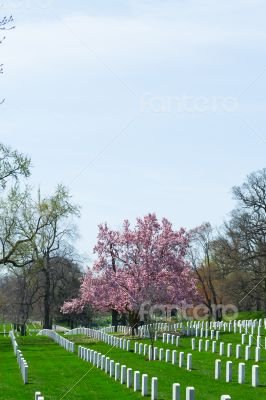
250,315
202,375
7,326
53,371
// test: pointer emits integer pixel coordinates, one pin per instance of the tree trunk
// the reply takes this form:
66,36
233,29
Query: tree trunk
124,319
265,295
218,314
258,303
134,322
47,323
115,319
23,330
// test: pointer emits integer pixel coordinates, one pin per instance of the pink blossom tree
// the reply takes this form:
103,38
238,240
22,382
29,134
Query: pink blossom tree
137,266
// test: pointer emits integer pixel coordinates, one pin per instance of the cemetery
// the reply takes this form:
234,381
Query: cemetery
192,360
132,200
152,316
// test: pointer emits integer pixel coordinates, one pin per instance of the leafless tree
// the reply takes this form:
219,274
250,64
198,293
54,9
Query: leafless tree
243,243
201,258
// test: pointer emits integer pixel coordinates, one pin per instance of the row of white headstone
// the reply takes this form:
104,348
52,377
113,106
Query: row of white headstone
69,346
120,372
205,332
173,339
196,328
170,339
140,348
128,376
23,366
155,353
111,340
241,372
251,340
229,349
38,396
132,379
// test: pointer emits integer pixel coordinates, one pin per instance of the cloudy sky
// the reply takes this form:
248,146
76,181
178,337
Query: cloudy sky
137,105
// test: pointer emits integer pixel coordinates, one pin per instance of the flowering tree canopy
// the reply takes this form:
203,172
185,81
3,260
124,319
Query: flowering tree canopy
141,264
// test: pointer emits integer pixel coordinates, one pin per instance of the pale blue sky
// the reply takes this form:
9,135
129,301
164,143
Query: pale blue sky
137,106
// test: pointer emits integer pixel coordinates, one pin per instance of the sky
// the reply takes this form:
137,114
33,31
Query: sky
137,106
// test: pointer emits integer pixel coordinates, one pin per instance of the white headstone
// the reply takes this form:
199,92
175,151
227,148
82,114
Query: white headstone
136,381
190,393
144,385
238,351
257,354
189,362
243,338
217,374
123,376
247,353
174,356
221,349
229,367
255,375
229,349
155,353
181,359
117,371
200,344
154,388
112,368
176,391
241,373
129,377
214,346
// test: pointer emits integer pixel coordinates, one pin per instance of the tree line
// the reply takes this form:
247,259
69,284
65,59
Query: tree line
150,262
230,263
155,265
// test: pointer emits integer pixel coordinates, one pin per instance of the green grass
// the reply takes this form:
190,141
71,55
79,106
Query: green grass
7,326
202,375
53,371
244,315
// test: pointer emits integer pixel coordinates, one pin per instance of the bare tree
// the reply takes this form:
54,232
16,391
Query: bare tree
6,23
244,240
23,291
201,259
